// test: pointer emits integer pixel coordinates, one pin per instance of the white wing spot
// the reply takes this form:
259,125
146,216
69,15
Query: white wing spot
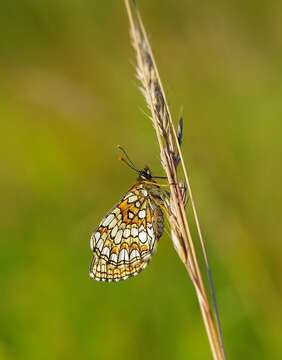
94,238
106,251
134,255
113,223
123,255
144,192
114,231
118,237
108,219
137,204
116,211
92,243
143,237
132,199
126,256
130,215
100,245
114,257
126,233
142,214
134,231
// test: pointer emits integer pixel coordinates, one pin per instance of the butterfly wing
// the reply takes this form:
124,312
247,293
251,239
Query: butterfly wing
126,237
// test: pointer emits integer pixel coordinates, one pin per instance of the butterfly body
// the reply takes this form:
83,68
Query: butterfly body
127,236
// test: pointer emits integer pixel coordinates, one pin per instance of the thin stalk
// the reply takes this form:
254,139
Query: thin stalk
151,87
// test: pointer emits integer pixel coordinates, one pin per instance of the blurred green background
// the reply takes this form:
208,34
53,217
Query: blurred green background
68,96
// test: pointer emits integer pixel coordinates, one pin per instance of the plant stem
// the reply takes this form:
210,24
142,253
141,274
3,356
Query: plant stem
167,138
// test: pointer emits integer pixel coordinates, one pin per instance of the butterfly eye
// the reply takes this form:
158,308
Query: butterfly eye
146,174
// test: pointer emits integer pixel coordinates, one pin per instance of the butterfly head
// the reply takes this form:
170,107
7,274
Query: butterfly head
145,174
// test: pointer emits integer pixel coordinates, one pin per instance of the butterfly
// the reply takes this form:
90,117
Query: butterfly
128,235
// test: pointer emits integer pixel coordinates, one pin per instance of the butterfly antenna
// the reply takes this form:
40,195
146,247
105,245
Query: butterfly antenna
127,159
159,177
